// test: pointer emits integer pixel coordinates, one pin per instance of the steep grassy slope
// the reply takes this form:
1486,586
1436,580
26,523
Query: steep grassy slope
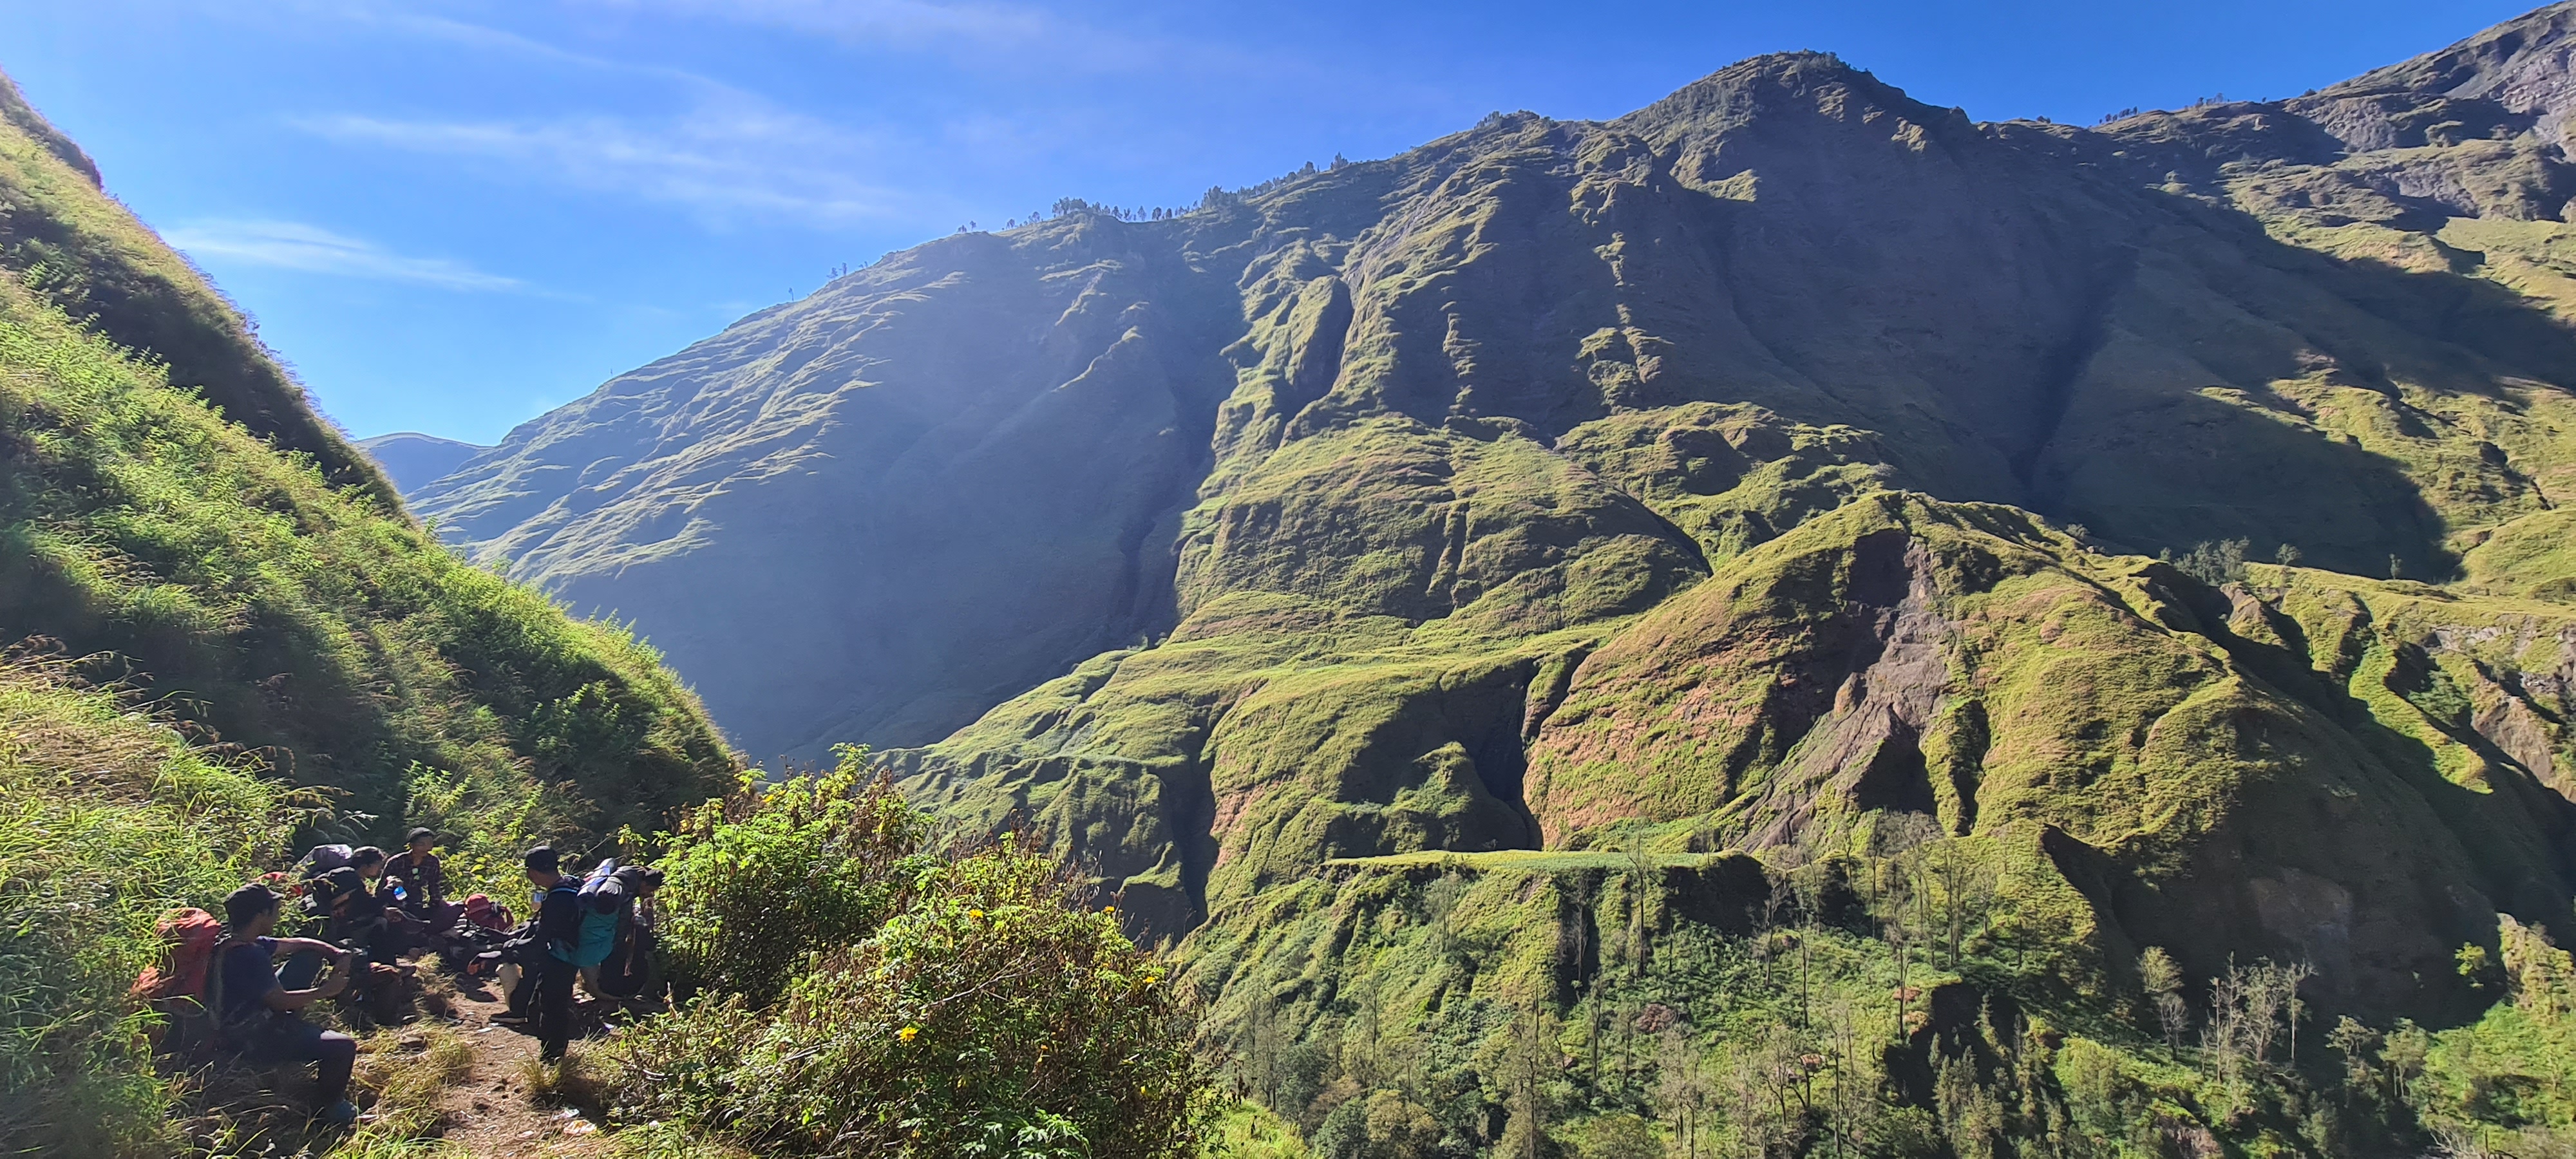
64,237
213,562
219,633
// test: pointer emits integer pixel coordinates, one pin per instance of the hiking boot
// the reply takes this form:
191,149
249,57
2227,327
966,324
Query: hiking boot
339,1114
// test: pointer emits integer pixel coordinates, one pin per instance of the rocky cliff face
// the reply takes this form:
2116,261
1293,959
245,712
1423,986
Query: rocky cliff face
1702,478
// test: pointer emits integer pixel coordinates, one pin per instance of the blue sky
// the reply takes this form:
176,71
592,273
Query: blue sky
453,216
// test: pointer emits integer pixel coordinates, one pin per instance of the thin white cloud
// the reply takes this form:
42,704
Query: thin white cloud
739,157
920,25
313,249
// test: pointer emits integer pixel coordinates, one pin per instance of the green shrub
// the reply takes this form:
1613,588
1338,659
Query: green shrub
763,878
967,1005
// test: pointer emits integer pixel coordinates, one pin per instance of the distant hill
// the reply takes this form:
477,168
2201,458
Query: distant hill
413,460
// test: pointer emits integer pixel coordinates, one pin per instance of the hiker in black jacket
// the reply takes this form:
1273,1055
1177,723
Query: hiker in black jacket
546,977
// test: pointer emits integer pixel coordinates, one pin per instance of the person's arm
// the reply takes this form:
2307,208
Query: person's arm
281,999
293,946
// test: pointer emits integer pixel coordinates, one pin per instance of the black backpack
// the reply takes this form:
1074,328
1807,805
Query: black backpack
527,946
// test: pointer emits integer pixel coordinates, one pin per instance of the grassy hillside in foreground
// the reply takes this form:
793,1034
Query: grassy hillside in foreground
106,816
287,654
785,899
170,507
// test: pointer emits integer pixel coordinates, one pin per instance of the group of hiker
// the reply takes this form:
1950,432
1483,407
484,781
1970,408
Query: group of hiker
251,987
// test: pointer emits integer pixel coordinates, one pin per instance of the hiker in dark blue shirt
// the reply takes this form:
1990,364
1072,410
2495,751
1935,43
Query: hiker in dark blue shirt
256,1000
547,973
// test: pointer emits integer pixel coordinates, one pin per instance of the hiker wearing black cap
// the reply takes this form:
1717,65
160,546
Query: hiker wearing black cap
357,912
256,1008
547,970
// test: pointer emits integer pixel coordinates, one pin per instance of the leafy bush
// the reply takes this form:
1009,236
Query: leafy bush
967,1005
2214,563
763,878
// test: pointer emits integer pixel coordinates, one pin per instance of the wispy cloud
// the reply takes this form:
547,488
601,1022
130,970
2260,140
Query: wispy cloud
923,25
725,159
313,249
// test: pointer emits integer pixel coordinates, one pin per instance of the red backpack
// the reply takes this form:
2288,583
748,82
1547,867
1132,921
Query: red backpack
177,987
188,938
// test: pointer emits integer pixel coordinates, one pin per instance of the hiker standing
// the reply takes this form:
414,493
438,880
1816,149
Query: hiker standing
547,974
256,1008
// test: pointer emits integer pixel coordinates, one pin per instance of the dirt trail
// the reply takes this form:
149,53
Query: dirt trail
492,1111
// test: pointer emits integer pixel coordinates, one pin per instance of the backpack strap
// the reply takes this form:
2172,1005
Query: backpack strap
217,1031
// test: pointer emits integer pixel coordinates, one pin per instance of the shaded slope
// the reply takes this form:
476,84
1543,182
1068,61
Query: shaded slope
977,450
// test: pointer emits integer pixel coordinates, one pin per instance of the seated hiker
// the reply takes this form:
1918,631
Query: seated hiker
357,918
352,914
390,928
256,1000
418,883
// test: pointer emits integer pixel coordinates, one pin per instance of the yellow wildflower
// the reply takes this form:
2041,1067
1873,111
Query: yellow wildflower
907,1032
975,914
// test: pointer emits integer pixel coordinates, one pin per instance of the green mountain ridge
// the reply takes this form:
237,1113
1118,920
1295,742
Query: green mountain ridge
1462,593
2269,347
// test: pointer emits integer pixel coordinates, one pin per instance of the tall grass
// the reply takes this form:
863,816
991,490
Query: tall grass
107,818
283,614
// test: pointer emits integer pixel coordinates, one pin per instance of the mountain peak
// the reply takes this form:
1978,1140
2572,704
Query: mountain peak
1770,84
2521,63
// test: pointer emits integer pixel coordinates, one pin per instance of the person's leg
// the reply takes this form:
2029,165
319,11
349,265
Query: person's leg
334,1056
554,1008
295,1040
523,990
